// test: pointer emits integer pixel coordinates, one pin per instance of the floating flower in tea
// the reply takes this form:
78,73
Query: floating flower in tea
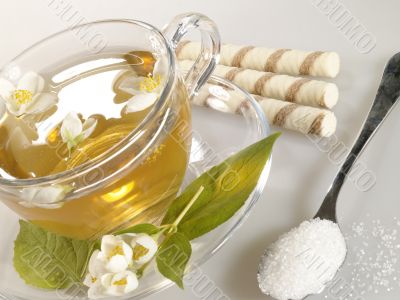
145,90
141,102
73,131
44,197
27,97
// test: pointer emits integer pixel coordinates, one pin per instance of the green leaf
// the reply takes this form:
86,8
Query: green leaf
226,188
149,229
173,256
49,261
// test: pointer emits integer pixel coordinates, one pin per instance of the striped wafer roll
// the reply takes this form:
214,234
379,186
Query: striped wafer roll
304,119
287,61
283,87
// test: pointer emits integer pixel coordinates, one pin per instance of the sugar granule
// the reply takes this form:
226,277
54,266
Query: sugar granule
373,258
302,261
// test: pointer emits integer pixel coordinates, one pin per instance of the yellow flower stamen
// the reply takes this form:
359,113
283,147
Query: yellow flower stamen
117,251
94,279
22,96
139,251
121,282
150,83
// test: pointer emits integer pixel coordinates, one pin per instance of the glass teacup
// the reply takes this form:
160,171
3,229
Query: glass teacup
96,128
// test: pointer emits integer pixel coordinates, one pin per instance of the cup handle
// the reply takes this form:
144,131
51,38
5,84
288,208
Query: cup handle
210,46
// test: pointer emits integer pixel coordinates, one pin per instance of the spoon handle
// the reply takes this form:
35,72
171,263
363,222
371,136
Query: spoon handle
387,96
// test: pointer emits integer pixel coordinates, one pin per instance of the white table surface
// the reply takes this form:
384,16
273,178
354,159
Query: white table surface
301,173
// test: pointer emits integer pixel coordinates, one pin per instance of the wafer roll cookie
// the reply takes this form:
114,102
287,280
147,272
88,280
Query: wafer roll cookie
291,116
304,119
283,87
287,61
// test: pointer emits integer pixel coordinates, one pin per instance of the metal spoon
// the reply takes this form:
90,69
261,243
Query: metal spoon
387,96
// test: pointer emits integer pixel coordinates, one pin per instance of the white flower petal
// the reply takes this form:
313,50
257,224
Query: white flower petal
89,280
71,127
6,88
88,127
128,252
47,197
133,283
131,85
40,85
16,111
147,242
159,68
117,263
141,102
117,252
112,283
51,194
32,82
97,264
14,108
28,194
108,243
106,280
41,103
159,72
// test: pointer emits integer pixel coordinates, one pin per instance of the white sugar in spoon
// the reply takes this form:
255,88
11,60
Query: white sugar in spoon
302,261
